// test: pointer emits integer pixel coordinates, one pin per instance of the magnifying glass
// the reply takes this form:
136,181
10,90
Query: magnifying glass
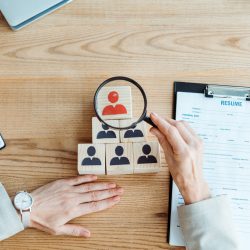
121,103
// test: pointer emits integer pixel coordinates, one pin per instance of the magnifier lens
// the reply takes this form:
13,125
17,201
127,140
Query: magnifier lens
120,104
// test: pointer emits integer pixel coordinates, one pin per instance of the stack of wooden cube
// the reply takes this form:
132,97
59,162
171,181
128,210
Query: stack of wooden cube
114,151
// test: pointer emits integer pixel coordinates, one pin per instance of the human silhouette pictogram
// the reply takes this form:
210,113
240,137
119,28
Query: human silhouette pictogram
106,133
91,160
133,132
115,109
119,160
146,158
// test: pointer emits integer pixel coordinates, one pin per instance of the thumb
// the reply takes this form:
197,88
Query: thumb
74,230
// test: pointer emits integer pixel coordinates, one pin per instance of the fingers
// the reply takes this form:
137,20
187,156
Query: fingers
164,143
184,132
81,179
170,132
73,230
42,228
99,195
95,206
189,128
95,186
184,124
162,140
67,229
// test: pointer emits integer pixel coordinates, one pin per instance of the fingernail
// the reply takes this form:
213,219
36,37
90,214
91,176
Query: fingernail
154,114
86,234
111,185
120,190
117,198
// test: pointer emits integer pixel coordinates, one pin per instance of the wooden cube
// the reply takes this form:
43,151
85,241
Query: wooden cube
115,103
91,159
119,158
137,134
103,134
146,157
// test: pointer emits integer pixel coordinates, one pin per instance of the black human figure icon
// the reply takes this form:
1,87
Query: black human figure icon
119,160
106,133
146,159
91,161
132,133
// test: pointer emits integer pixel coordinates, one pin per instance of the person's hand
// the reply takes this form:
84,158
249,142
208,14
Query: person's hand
183,152
58,202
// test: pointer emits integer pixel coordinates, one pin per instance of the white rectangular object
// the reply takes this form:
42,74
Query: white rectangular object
226,135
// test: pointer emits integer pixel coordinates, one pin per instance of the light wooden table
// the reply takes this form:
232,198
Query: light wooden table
49,72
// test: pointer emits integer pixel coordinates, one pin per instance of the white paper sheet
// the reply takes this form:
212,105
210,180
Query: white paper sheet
224,126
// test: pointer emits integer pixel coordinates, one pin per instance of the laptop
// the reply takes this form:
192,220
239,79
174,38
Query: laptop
20,13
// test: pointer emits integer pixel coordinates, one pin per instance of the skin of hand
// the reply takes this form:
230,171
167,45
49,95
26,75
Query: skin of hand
58,202
184,155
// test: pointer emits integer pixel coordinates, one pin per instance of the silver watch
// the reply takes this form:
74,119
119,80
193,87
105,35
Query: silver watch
23,202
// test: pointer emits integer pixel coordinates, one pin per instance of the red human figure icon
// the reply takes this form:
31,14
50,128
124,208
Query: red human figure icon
117,109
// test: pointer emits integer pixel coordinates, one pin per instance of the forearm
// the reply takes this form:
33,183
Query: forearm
207,225
10,223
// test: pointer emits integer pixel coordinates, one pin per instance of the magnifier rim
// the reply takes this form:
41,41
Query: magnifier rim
123,78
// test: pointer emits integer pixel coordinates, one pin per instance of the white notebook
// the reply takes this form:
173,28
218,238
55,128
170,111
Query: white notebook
224,126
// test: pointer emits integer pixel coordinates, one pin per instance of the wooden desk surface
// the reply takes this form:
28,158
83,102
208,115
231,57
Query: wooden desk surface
49,72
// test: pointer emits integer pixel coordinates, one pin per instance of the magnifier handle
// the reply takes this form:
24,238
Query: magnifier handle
148,120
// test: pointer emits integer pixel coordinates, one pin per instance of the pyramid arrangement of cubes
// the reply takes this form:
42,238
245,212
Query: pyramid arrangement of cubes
114,151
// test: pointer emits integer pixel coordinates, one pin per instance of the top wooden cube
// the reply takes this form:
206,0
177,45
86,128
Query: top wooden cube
115,103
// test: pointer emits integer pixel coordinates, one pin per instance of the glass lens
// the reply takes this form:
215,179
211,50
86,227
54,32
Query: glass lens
119,104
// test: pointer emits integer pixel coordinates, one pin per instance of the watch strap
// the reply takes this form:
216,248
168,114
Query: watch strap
26,218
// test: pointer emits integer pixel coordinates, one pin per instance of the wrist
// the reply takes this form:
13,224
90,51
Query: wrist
195,192
23,202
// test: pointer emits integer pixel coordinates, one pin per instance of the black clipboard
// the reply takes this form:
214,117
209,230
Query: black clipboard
209,91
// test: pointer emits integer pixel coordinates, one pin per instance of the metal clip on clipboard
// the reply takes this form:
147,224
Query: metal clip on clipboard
240,93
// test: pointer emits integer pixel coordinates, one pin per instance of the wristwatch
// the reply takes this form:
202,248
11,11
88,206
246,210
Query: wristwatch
23,202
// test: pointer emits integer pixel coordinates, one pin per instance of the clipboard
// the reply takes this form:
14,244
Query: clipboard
209,91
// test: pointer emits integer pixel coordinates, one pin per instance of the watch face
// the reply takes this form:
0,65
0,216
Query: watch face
23,201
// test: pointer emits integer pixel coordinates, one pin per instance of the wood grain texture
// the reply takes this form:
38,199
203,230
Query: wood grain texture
49,72
137,134
103,134
148,152
91,159
119,159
